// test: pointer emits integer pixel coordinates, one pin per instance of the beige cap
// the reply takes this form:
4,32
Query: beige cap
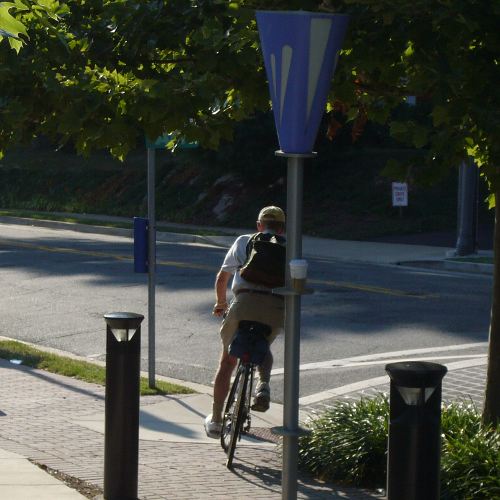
272,214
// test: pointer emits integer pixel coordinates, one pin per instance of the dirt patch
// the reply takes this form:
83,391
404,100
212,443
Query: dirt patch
86,489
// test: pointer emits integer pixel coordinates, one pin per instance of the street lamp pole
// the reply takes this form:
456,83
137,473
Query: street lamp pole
151,267
300,51
291,431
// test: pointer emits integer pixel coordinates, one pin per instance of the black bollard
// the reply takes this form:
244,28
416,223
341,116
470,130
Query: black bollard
414,449
121,433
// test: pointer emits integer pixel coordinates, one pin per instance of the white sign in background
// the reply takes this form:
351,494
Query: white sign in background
399,194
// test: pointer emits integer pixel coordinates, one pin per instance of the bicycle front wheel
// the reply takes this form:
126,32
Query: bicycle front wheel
238,416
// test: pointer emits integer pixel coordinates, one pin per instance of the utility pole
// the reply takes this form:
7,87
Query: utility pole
467,209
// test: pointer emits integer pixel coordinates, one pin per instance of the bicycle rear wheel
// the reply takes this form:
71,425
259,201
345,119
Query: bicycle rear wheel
230,410
238,416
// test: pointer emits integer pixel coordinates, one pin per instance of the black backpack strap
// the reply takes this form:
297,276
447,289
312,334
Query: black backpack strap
249,246
280,239
249,249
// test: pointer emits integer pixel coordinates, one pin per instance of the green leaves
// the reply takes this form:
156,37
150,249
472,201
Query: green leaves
410,132
471,456
101,74
10,27
44,13
440,115
130,67
348,443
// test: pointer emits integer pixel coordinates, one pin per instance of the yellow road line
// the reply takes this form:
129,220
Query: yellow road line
45,248
374,289
93,253
205,267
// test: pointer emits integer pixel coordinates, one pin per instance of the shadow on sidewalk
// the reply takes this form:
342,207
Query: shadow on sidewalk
269,479
52,378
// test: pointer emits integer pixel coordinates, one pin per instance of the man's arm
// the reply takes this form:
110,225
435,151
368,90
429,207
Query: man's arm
221,282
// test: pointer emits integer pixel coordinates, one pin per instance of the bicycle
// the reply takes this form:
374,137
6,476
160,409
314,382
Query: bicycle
250,345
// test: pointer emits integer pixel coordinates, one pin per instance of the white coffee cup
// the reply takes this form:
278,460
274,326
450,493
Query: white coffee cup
298,269
298,272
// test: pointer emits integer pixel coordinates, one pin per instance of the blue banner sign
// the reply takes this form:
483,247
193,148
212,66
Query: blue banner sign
140,245
300,51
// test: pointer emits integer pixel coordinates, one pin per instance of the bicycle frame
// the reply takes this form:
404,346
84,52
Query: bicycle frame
237,418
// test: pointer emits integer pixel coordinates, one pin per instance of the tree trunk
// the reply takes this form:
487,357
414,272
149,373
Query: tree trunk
491,411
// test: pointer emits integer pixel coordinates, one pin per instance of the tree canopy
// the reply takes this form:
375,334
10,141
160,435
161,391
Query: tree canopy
445,52
104,73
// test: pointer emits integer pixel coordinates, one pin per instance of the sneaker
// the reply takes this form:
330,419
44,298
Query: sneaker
262,397
213,429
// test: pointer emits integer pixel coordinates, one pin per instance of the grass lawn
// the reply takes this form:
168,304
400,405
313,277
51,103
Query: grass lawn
82,370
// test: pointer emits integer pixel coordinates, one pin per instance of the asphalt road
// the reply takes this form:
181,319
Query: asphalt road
58,284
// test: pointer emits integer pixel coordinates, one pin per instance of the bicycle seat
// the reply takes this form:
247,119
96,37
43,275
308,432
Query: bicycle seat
250,341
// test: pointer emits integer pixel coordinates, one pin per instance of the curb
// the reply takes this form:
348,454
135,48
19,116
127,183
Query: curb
477,267
69,226
161,236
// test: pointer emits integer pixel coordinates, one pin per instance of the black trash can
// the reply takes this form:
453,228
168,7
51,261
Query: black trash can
414,448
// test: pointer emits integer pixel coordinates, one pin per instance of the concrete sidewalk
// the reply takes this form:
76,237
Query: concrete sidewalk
22,480
58,422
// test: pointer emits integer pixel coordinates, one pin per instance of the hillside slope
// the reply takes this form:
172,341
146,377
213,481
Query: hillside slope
345,195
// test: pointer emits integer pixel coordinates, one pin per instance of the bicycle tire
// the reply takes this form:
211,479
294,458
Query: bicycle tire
238,417
247,424
225,435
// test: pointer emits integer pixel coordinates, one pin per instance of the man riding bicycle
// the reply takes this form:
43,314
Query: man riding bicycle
252,302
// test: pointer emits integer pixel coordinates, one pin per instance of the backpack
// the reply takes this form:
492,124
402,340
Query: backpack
250,341
266,260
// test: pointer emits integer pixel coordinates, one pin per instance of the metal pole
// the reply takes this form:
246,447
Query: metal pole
151,266
467,231
475,229
292,332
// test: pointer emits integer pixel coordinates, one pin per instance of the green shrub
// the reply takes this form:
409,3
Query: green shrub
470,461
348,445
460,420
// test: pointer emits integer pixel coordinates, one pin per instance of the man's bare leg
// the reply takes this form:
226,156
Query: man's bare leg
262,396
222,382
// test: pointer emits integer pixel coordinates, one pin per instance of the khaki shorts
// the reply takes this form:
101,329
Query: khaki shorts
268,309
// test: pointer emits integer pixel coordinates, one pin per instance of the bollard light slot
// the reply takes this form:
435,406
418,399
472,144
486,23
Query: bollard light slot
123,325
415,396
123,334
